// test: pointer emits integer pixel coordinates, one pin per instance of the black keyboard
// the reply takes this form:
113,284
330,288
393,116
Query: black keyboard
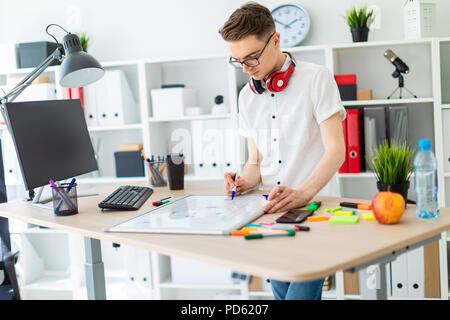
126,198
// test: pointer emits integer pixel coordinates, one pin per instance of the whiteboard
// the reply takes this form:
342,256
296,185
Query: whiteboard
197,214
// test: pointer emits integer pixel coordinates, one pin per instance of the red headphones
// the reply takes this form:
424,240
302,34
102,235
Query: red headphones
277,81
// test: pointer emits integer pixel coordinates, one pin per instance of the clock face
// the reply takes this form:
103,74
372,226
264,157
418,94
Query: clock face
292,22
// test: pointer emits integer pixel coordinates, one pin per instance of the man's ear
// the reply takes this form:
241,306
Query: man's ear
276,40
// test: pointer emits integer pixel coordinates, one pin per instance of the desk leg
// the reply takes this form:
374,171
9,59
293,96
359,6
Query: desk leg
372,282
95,273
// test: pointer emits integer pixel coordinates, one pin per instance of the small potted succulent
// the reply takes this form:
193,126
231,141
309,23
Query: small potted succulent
392,165
359,22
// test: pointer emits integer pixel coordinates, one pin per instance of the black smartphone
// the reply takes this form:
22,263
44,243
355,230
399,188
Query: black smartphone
295,216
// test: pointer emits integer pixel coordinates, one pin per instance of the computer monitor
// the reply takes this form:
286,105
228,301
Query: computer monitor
51,140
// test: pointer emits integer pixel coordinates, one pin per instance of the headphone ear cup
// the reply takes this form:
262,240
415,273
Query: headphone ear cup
255,86
272,82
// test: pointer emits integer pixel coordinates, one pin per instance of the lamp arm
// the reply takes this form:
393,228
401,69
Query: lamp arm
25,82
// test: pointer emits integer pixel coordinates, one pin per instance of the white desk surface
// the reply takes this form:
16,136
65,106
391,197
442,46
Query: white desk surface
307,256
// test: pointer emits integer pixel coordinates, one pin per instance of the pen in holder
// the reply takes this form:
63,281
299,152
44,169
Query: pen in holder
65,199
156,168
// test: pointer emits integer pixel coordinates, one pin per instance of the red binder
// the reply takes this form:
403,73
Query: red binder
66,93
344,167
353,141
77,93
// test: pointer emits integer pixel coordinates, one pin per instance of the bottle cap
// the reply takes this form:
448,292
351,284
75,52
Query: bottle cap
424,144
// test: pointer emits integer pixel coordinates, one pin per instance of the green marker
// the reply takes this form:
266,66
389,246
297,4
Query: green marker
290,233
160,203
314,205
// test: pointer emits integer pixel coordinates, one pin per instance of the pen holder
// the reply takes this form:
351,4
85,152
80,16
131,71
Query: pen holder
65,199
156,169
175,171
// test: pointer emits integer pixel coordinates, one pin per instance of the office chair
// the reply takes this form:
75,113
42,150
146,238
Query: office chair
9,288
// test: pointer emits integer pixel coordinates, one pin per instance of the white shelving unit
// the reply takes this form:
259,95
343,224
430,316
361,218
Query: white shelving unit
211,75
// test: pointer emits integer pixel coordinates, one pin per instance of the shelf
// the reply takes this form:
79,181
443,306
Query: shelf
387,43
386,101
192,178
51,281
169,284
446,106
356,175
329,294
445,39
352,296
135,126
113,180
26,71
187,59
260,293
38,230
447,174
189,118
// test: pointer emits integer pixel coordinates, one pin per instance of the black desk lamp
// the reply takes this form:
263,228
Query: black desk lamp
78,69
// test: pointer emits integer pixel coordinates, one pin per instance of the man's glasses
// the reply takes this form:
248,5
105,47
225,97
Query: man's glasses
249,62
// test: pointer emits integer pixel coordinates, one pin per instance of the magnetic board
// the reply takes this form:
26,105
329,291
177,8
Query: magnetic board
197,214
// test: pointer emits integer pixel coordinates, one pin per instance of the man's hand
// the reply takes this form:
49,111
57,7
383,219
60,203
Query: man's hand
283,198
229,183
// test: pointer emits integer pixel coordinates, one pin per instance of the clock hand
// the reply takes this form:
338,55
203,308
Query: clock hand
285,25
293,22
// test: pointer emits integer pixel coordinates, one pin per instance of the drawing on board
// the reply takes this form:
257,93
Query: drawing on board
201,214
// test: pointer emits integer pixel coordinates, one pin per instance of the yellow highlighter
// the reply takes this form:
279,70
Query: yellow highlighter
344,213
368,216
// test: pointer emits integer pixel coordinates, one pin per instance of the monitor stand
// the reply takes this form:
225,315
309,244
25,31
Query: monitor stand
38,202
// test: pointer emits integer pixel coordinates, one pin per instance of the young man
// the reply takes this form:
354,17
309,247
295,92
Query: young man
291,114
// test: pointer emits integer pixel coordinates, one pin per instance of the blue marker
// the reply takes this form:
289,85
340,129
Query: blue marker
233,191
266,196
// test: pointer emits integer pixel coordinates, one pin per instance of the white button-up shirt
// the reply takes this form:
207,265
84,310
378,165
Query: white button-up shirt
285,126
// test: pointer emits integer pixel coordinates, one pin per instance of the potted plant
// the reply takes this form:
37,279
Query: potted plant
392,165
359,22
84,39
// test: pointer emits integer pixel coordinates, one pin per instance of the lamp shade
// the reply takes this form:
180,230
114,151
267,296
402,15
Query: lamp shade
78,68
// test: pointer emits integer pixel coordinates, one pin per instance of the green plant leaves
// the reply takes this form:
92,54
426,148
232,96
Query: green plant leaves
391,163
359,18
84,40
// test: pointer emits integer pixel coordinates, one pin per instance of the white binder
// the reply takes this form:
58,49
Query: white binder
399,276
13,176
115,101
90,104
213,149
35,92
446,138
138,265
197,128
407,275
228,164
416,273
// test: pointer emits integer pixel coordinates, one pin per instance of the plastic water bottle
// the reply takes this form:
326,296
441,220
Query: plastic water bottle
425,182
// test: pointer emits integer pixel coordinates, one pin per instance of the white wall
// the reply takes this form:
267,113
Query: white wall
132,29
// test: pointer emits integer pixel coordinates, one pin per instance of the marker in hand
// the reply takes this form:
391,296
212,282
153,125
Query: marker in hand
233,191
